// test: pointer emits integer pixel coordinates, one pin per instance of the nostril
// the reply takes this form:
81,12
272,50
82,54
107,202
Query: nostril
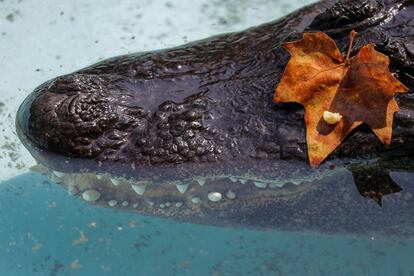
73,116
37,119
42,119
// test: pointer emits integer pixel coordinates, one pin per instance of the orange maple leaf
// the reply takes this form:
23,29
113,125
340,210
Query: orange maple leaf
360,89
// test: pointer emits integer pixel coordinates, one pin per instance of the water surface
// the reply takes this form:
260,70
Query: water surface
44,231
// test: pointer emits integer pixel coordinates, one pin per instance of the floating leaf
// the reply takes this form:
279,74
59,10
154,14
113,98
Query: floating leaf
360,90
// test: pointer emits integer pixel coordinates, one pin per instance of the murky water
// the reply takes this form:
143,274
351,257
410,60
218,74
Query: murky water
45,231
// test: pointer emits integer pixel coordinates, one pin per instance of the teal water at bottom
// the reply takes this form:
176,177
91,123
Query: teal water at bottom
44,231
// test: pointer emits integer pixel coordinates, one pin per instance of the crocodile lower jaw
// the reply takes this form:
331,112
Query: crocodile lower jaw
175,198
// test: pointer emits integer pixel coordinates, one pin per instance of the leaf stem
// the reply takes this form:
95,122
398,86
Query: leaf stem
352,35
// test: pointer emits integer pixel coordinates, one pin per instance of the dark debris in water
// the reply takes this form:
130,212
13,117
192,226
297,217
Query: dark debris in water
11,17
57,266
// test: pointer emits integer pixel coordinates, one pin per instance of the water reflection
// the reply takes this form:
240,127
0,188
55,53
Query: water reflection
374,180
46,231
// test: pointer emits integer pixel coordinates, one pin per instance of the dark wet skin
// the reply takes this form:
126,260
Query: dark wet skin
205,110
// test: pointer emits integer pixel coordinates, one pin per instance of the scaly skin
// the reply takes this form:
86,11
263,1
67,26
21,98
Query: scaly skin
204,112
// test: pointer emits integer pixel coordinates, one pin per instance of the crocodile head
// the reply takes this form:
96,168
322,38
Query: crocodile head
191,133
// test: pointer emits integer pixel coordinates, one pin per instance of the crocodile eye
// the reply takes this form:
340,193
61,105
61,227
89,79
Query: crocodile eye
348,14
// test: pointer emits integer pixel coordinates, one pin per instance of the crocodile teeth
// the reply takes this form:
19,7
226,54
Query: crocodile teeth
214,196
195,200
115,181
233,179
139,189
296,181
243,180
72,190
275,185
58,174
260,185
39,168
201,181
55,179
182,188
230,195
112,203
91,195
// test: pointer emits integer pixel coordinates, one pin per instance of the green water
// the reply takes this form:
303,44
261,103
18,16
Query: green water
41,227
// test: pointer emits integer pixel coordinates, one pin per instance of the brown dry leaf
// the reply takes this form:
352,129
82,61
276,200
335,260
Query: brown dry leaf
82,238
75,264
361,89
